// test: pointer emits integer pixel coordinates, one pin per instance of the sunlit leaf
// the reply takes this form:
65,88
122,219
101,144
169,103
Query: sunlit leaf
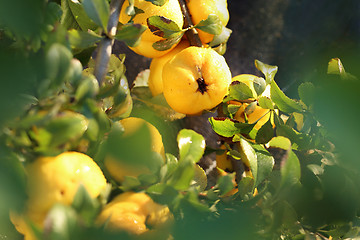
265,102
239,91
283,102
163,27
157,2
221,38
248,157
268,70
211,24
200,178
280,142
335,67
191,145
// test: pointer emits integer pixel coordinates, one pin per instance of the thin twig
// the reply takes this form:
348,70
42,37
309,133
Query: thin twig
192,33
105,46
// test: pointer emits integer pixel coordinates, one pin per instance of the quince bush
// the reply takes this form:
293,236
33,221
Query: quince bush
84,155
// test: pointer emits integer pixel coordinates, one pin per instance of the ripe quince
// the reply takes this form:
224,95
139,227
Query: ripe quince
117,169
156,68
200,9
171,10
195,79
52,180
133,212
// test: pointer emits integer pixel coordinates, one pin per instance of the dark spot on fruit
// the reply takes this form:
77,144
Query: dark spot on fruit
62,192
202,85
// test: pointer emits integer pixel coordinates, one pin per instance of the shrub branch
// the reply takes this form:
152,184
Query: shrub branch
192,33
105,47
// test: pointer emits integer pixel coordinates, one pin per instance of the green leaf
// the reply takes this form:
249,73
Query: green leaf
336,67
65,128
157,2
222,38
211,24
228,128
265,133
265,102
80,40
88,88
283,102
86,206
75,17
162,193
130,33
225,183
132,149
57,64
98,11
248,157
280,142
239,91
265,163
183,175
200,179
307,93
163,27
259,85
166,44
290,170
60,222
130,10
191,145
129,183
268,70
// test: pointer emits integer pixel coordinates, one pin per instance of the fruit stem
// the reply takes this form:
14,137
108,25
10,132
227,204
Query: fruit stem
105,47
192,33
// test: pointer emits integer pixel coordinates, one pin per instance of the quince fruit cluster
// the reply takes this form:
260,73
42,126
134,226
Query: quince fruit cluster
193,79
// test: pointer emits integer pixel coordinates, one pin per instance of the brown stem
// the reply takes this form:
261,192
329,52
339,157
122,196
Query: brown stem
192,33
105,46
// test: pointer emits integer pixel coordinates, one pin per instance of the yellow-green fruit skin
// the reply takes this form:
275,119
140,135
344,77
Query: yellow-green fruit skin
156,67
195,79
52,180
171,10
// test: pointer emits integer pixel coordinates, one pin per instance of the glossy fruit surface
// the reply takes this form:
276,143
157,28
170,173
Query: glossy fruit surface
196,79
157,65
52,180
133,212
